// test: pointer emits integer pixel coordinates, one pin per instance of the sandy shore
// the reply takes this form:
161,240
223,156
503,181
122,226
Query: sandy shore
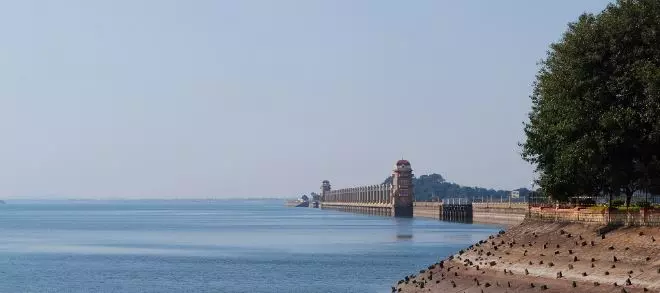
548,257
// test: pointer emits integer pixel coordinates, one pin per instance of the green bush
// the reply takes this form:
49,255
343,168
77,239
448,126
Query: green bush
643,204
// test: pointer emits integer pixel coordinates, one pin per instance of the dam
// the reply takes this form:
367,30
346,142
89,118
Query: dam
394,199
398,200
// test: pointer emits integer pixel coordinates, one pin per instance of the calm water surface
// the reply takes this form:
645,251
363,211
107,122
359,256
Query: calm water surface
213,246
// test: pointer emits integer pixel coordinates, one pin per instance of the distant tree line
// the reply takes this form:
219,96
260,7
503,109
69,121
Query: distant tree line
434,187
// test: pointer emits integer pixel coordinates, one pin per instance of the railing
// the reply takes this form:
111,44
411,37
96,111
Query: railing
637,200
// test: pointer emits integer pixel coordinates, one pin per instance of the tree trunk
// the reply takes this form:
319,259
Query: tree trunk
629,194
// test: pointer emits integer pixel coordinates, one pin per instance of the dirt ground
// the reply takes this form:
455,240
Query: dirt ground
549,257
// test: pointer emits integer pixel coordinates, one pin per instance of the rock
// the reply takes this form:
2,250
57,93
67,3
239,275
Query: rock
584,274
574,284
559,275
628,283
607,273
570,266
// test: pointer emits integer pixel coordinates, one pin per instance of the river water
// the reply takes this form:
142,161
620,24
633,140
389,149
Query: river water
213,246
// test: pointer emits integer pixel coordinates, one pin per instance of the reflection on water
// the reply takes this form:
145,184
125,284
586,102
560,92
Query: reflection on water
404,228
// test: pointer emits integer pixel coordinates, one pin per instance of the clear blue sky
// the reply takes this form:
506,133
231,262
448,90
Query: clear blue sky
162,98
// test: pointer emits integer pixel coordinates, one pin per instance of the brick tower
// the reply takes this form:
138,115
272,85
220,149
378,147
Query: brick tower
403,194
325,188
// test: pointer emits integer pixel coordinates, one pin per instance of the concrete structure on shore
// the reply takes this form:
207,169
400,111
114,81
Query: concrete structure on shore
394,199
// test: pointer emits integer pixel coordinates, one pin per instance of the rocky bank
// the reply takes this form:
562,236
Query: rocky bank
549,257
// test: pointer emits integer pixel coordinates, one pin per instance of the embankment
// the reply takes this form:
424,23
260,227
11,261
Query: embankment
507,214
549,257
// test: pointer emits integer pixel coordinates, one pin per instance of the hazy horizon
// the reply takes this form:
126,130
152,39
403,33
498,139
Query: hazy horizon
198,99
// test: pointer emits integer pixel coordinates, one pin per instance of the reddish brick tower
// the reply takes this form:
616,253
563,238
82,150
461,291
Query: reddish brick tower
403,194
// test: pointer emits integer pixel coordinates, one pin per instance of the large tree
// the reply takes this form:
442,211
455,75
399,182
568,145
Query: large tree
595,120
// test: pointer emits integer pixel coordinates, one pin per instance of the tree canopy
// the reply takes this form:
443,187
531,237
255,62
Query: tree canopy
594,126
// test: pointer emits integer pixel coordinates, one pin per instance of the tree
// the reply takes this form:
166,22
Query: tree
595,120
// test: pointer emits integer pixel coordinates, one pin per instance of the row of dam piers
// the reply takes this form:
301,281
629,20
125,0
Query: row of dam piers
396,199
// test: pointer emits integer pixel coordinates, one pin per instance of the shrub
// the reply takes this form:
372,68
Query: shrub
616,203
643,204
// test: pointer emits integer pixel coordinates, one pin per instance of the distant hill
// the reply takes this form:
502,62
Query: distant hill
435,187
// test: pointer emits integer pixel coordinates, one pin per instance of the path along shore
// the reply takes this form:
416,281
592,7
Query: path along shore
548,257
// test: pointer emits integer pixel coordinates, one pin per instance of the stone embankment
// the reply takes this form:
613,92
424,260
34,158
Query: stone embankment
508,214
540,256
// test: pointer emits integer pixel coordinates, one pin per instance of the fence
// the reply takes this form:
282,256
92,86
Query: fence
638,199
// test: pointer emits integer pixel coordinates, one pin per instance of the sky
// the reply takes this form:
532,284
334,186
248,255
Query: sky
199,99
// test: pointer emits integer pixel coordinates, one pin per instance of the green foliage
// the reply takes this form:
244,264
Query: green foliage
434,187
616,203
594,126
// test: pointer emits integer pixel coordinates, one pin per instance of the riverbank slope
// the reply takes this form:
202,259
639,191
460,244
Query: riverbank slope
549,257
